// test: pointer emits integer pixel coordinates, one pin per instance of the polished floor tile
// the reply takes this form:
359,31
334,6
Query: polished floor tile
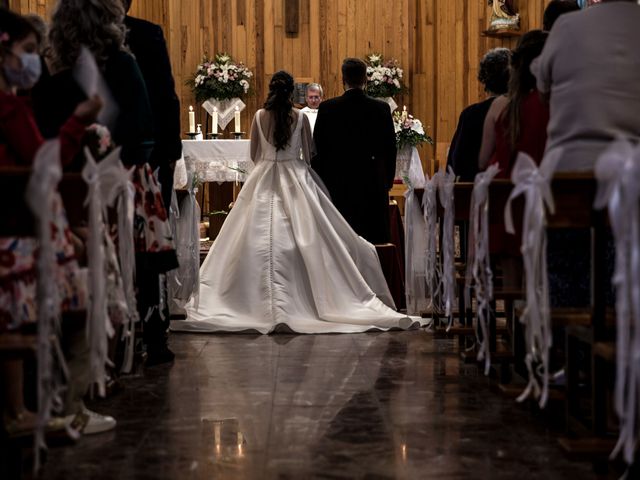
365,406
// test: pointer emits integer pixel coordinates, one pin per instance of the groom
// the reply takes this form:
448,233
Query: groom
356,154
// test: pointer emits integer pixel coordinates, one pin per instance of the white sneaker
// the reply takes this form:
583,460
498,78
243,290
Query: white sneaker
88,422
98,423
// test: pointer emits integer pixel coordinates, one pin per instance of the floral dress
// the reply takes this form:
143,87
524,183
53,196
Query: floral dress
18,255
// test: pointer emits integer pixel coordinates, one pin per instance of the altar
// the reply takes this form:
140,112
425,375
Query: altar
223,165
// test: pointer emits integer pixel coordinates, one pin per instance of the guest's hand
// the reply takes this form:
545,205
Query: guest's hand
88,111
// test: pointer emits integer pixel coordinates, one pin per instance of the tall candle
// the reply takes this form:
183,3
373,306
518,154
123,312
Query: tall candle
192,120
237,120
214,120
404,112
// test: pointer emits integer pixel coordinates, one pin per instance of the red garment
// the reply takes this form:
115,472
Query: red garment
534,117
20,137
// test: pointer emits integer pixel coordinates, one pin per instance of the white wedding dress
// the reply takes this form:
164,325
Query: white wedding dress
285,259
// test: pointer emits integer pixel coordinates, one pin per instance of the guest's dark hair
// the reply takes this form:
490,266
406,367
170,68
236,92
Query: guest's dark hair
494,70
127,5
555,9
280,102
14,27
521,81
354,72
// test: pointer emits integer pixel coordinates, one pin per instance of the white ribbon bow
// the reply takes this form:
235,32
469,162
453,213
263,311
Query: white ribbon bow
117,190
415,239
432,267
99,328
478,260
186,278
618,174
40,196
535,184
448,279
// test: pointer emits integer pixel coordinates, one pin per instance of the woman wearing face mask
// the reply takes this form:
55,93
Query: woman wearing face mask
20,139
20,69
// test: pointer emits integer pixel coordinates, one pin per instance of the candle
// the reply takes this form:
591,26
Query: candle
214,120
237,119
192,120
404,112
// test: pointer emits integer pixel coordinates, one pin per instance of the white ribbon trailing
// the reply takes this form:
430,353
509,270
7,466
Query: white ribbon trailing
117,190
478,260
40,197
535,184
415,239
618,174
432,267
98,328
446,182
185,280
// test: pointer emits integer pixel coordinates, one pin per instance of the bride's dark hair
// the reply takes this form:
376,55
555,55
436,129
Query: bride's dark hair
280,102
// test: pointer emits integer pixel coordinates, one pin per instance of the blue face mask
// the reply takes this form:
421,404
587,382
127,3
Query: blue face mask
28,75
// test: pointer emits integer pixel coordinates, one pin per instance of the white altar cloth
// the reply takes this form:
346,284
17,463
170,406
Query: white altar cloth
214,161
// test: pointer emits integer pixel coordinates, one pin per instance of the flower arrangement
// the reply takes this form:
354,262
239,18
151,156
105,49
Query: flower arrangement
409,131
220,78
384,78
98,139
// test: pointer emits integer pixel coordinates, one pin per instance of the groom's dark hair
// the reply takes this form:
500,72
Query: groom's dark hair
354,72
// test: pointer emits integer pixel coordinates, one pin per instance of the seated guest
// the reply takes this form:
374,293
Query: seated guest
518,121
465,146
314,96
591,72
555,9
20,139
99,26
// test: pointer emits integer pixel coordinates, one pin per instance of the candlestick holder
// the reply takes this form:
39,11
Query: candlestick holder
238,135
191,135
213,136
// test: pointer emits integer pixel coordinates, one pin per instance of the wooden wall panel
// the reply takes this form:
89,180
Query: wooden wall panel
438,42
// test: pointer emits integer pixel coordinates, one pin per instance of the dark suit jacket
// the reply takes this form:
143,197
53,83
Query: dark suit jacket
146,41
465,146
356,158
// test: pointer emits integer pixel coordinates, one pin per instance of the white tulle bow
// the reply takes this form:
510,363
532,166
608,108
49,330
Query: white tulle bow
432,267
40,196
118,191
415,239
478,260
535,184
618,174
446,182
99,328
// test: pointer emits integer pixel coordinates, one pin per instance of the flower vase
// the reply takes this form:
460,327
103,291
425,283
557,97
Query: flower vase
403,160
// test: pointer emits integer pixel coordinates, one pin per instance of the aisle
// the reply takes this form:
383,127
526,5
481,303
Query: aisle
377,406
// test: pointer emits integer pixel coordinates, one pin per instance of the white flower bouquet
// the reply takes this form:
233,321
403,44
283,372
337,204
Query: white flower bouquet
221,79
384,78
409,131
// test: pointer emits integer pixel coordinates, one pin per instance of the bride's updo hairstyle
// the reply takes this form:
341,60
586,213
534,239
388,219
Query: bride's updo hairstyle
280,102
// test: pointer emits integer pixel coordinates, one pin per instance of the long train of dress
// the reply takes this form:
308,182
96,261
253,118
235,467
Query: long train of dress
285,257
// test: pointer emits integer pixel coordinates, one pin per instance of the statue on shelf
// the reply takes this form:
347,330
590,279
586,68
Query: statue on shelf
504,17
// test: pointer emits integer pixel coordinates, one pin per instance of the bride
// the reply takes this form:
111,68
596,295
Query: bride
285,259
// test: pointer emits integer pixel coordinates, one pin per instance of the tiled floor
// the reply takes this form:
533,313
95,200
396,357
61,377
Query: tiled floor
367,406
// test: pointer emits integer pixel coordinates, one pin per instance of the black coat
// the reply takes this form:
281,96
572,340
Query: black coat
147,43
356,158
466,143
